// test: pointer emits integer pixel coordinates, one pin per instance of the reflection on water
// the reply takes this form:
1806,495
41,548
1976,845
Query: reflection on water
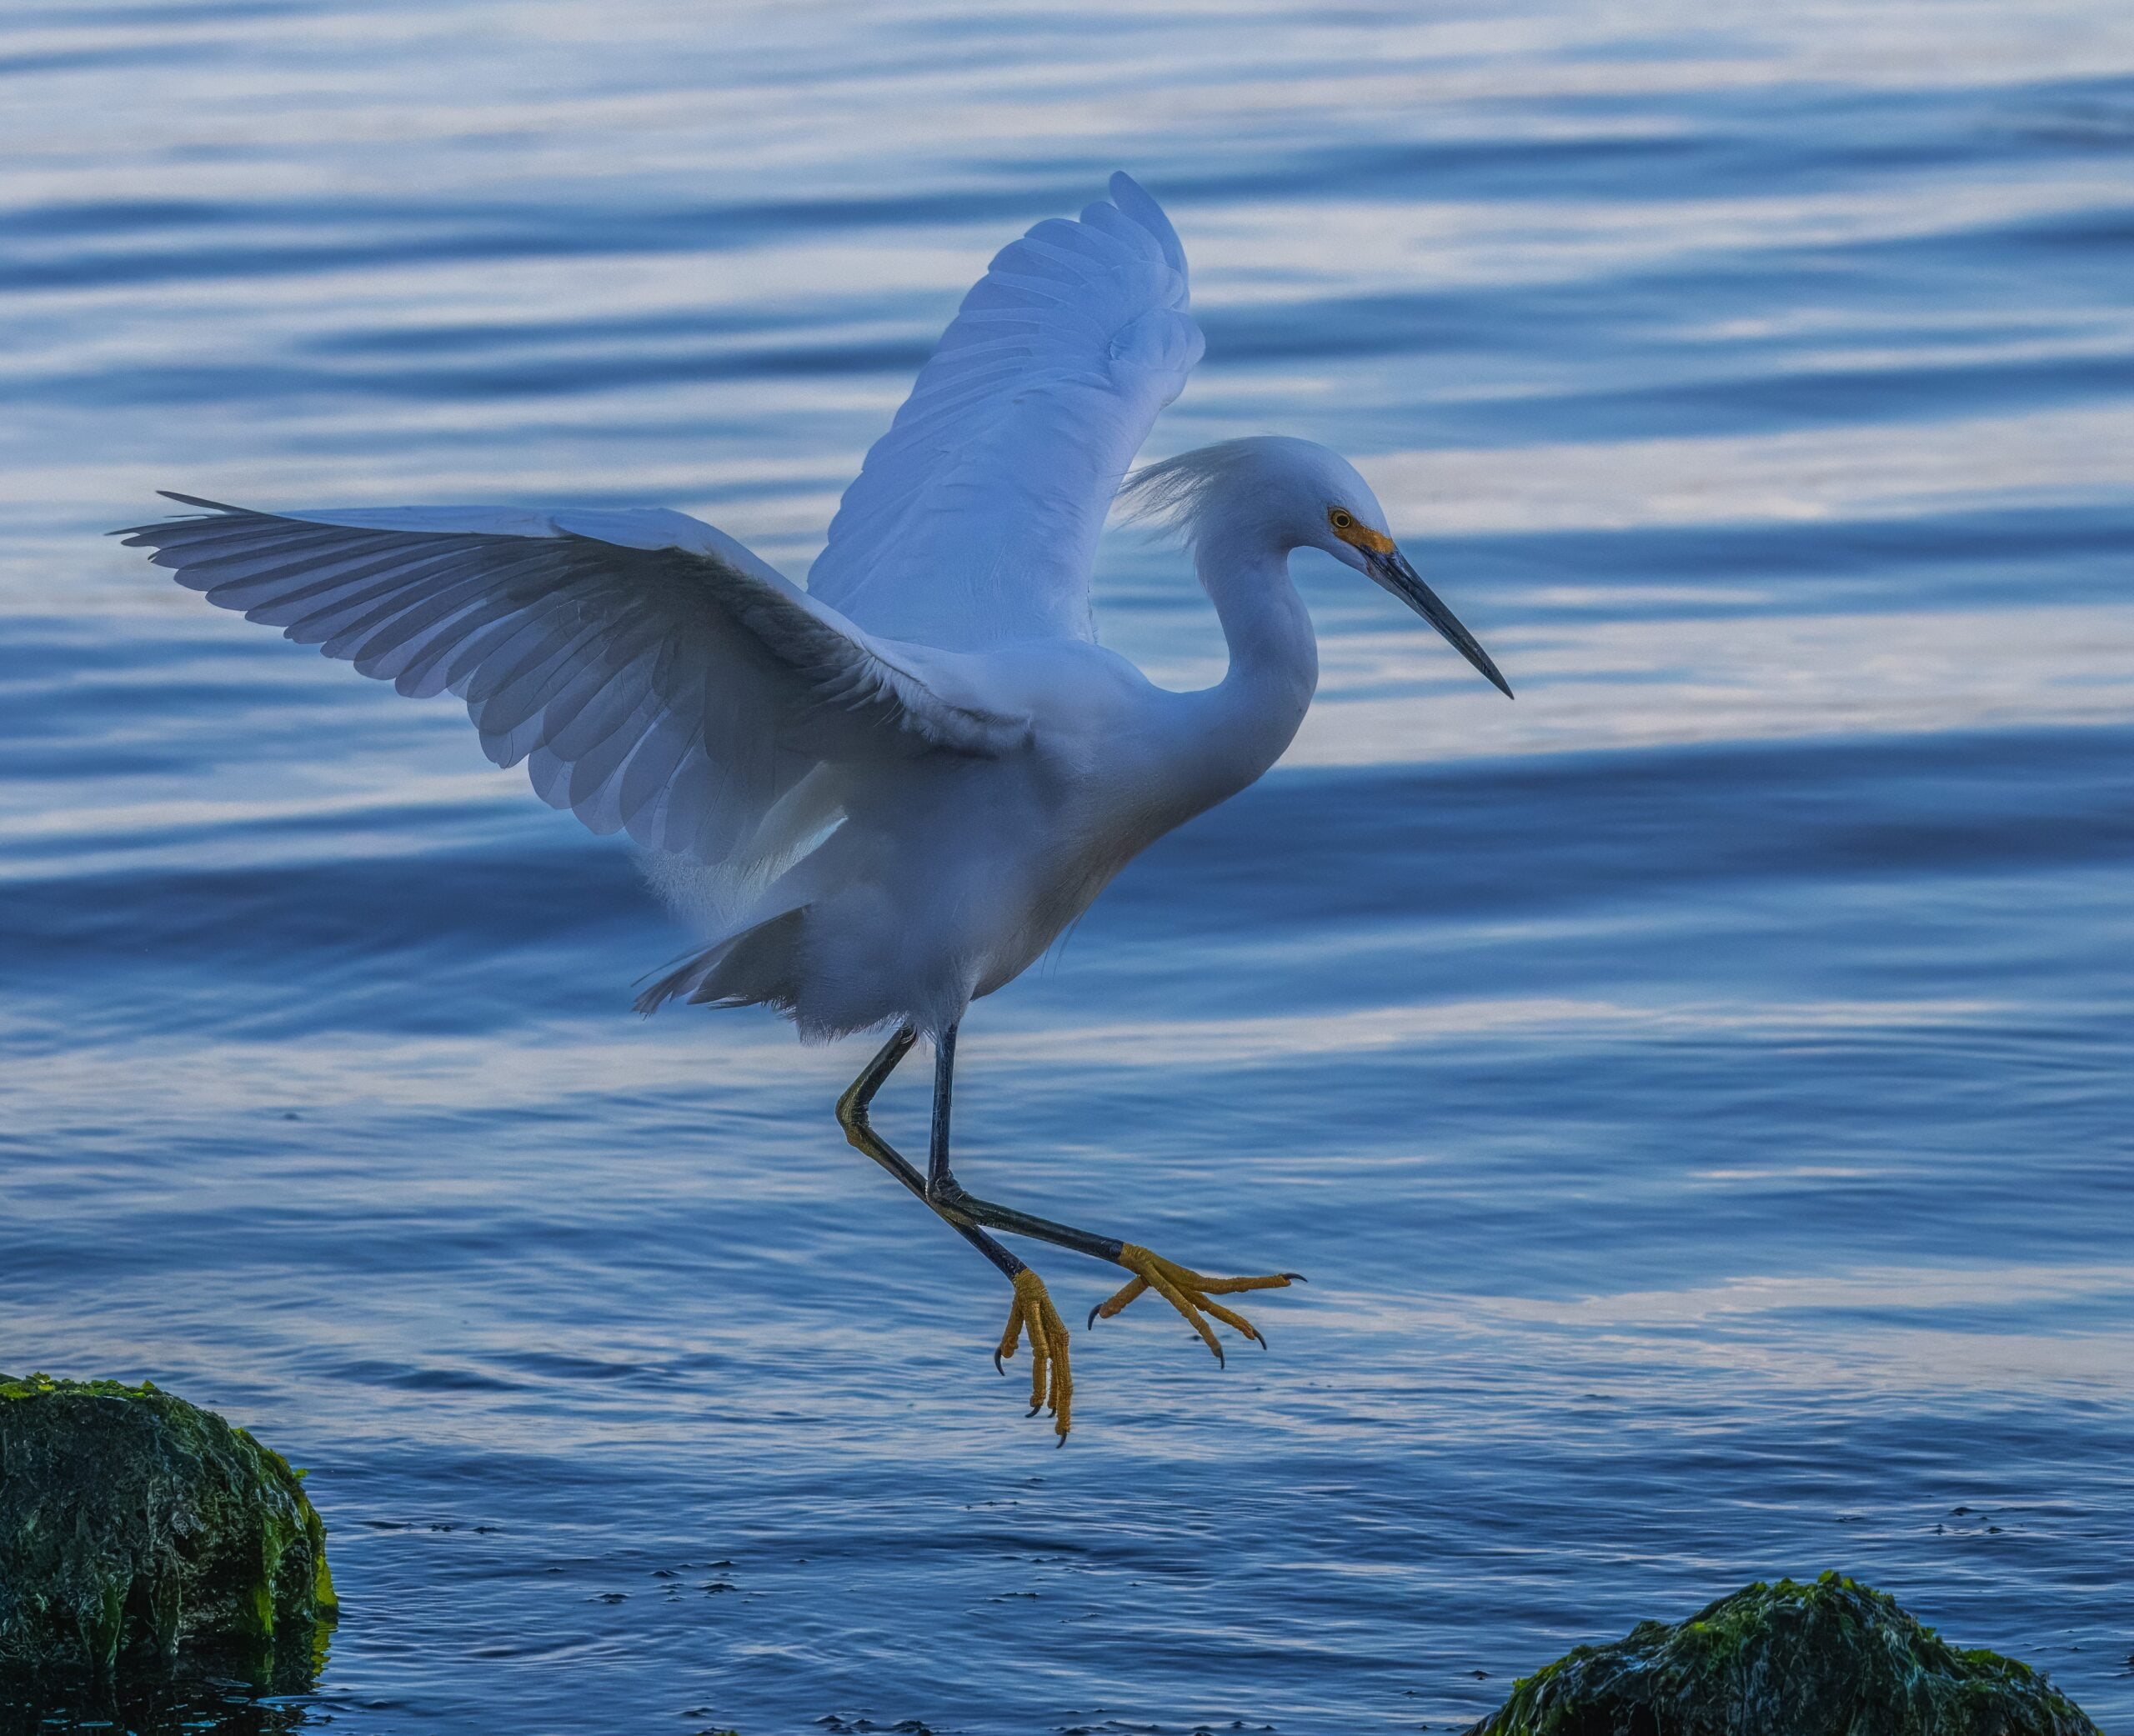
1698,1092
229,1693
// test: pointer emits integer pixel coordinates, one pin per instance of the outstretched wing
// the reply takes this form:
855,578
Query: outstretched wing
656,677
975,521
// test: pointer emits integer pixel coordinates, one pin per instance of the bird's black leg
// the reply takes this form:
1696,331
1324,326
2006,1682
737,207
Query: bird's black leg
947,1195
852,1117
1052,1383
1189,1292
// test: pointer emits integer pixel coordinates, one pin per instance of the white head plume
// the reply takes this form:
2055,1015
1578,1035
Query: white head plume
1274,482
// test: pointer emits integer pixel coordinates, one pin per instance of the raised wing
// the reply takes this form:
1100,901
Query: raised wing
656,677
975,521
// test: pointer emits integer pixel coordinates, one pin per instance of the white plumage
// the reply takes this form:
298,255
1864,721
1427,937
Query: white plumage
887,794
974,521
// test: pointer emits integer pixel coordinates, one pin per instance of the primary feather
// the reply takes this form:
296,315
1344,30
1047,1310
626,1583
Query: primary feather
655,676
974,520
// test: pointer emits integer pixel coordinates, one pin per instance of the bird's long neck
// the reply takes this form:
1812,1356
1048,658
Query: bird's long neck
1274,657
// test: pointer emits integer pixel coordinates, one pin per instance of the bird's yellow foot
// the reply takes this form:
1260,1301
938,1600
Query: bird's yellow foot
1052,1380
1187,1291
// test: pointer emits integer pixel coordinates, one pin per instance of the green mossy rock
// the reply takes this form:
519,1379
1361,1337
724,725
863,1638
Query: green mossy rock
1833,1659
133,1524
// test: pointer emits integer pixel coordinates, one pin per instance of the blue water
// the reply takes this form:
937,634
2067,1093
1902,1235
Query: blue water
1701,1092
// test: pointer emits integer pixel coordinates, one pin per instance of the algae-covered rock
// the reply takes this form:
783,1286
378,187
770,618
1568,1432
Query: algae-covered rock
1833,1659
133,1524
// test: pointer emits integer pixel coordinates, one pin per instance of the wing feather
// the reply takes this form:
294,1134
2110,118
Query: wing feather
974,520
653,675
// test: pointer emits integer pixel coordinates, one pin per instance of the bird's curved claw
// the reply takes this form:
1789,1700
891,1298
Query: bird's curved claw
1188,1292
1052,1378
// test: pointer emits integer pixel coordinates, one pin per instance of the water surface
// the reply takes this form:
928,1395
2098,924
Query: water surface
1699,1092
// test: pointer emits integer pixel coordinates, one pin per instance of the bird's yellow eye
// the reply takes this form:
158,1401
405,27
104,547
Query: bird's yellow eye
1355,535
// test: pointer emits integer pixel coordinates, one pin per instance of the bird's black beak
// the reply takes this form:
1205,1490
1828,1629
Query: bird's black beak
1390,569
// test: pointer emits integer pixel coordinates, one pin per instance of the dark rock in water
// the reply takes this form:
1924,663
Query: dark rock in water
1833,1659
133,1524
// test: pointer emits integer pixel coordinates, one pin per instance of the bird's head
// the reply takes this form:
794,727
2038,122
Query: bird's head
1290,495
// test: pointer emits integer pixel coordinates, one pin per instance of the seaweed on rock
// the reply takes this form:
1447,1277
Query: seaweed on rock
1833,1658
133,1524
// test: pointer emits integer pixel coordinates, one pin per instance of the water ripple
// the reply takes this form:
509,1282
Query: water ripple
1699,1091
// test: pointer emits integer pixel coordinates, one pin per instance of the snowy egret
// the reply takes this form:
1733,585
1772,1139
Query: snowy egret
887,794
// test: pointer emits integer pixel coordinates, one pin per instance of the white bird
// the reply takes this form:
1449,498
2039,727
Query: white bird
885,795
